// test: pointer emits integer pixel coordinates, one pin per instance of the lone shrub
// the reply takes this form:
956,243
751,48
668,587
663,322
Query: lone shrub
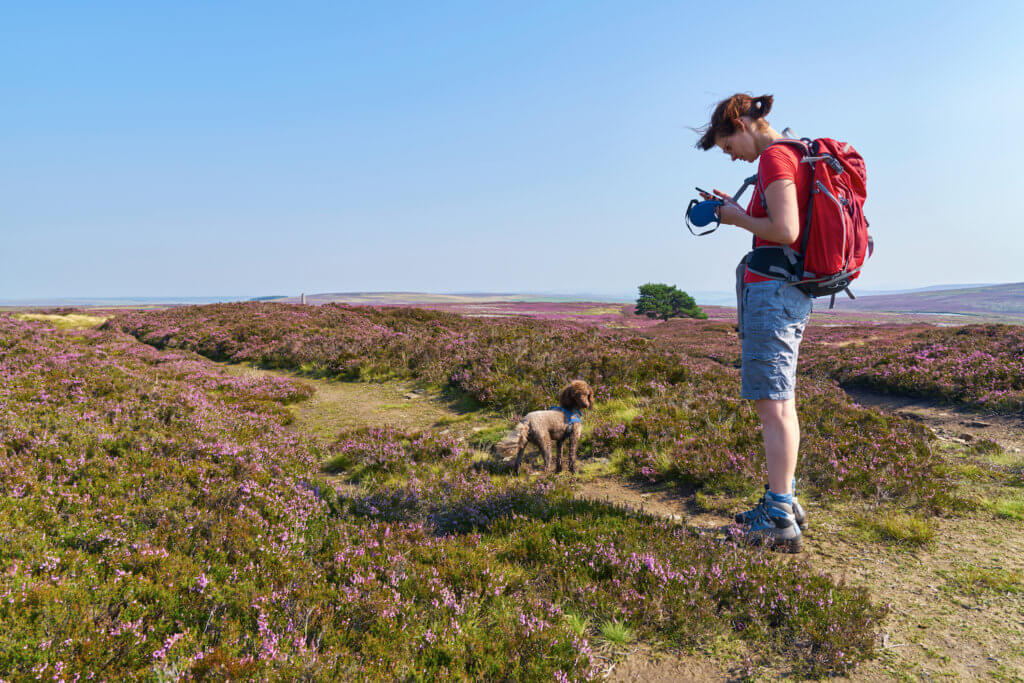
663,301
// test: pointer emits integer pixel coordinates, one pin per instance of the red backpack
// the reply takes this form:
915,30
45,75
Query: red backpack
834,243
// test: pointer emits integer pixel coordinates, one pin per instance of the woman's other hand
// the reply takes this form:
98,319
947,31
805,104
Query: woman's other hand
730,211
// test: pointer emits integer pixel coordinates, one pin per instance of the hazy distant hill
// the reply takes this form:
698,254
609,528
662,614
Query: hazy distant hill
417,298
991,300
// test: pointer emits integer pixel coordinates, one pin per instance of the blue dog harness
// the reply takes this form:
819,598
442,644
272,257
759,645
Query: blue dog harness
573,417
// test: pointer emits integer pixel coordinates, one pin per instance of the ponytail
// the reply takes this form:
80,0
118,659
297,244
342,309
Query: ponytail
728,112
760,106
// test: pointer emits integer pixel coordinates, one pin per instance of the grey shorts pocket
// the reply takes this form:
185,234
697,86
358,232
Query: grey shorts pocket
763,306
796,303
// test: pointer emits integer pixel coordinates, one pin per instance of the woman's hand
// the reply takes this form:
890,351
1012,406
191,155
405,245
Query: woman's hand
730,211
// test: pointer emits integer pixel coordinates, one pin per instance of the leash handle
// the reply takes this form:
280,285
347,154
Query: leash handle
701,213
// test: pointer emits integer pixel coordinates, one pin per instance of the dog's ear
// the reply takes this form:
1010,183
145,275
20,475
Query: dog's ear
567,398
586,395
573,396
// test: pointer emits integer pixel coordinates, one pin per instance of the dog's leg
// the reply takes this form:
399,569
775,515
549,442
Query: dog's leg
521,443
545,449
519,459
574,443
558,454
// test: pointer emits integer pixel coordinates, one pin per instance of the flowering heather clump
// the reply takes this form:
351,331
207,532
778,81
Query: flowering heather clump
715,438
158,519
976,365
668,583
431,479
373,450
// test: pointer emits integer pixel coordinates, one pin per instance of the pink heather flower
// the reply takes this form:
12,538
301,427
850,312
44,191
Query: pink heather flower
168,644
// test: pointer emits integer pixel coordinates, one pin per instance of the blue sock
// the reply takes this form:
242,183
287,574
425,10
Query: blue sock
794,486
780,497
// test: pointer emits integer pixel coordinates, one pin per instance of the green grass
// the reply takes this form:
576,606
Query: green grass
984,447
577,624
971,579
714,502
973,473
615,410
488,436
72,321
454,419
1007,507
896,528
617,633
1013,461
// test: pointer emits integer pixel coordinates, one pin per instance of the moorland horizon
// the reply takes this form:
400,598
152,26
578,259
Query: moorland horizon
703,297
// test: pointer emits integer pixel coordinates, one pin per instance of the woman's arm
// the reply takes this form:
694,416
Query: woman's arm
782,224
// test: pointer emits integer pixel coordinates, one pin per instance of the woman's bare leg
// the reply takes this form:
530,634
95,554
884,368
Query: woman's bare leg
781,431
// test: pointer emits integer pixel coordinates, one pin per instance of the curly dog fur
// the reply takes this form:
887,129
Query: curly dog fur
549,429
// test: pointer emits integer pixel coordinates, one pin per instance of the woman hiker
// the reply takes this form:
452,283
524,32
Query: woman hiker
772,316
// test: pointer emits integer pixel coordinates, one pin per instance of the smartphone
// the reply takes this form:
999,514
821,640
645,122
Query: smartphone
704,191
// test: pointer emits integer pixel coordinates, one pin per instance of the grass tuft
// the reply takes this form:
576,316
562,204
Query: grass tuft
896,528
971,579
617,633
577,624
1009,508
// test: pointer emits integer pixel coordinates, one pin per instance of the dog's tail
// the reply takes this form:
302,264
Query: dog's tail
513,441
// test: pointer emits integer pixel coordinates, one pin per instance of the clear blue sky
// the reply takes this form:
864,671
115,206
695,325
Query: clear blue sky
252,148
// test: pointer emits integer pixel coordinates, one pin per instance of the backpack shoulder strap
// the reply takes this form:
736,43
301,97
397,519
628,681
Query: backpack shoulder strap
804,145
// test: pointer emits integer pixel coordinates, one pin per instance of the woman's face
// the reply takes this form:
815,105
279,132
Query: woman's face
741,144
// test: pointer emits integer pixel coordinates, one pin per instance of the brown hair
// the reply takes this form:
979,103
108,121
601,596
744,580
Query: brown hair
728,113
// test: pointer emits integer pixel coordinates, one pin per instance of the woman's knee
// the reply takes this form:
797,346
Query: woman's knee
775,411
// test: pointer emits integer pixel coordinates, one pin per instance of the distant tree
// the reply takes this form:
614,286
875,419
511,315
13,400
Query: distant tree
663,301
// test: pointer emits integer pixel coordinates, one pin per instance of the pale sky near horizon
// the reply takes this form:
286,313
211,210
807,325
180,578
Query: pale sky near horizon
257,148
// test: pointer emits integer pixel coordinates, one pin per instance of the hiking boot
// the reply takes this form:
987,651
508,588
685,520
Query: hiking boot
776,528
750,515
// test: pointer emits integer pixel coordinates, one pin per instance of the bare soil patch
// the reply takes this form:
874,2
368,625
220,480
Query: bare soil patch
667,501
949,423
652,668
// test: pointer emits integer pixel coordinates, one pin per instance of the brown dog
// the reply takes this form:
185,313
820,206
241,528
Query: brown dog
552,428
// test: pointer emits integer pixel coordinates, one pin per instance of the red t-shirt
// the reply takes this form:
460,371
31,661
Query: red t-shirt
779,161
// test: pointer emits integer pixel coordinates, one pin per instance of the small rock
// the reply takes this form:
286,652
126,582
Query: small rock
975,423
412,395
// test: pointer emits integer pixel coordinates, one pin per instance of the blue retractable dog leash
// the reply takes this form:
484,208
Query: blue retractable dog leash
701,213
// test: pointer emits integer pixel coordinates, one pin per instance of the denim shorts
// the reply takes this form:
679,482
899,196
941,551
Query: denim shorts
772,324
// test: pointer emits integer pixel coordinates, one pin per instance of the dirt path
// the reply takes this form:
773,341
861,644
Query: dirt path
336,406
949,422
